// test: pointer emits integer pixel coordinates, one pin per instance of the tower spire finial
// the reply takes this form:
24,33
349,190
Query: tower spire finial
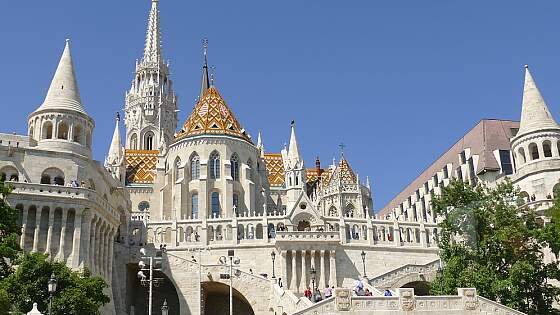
153,50
205,85
342,146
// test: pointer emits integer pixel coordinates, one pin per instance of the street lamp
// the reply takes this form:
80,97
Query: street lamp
364,261
313,273
154,264
232,261
52,289
273,256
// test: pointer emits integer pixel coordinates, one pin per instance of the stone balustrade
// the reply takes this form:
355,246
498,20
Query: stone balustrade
387,279
466,302
55,191
307,236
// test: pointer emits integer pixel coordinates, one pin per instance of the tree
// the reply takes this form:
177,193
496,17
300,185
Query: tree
487,242
77,292
9,248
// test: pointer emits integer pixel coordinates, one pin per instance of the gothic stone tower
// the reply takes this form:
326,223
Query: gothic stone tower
151,103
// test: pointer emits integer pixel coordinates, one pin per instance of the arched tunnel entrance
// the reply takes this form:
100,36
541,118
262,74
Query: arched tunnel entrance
137,295
216,300
421,288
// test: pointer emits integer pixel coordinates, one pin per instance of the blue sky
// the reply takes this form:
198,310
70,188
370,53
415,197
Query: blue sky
397,81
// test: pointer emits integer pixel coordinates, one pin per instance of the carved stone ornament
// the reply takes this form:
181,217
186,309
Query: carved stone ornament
407,300
470,299
342,299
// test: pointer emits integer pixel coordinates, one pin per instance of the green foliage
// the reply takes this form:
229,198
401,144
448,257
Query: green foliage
487,242
77,292
9,248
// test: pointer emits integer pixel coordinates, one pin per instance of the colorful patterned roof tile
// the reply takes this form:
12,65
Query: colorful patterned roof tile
275,168
141,166
212,116
343,172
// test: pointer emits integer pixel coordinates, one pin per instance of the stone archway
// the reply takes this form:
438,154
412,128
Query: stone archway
421,288
137,295
216,300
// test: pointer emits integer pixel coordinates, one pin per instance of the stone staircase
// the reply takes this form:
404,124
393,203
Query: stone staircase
397,277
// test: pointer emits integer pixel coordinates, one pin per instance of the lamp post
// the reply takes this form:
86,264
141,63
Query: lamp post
313,273
154,265
273,256
164,308
363,254
232,261
52,289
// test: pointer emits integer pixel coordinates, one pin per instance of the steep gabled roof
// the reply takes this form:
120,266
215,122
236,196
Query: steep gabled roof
211,116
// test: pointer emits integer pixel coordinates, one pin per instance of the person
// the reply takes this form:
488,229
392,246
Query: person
368,293
307,293
280,282
318,296
327,292
387,293
193,259
250,271
196,236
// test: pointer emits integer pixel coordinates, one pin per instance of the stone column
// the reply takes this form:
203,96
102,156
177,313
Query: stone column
77,239
100,250
554,148
61,255
110,263
304,274
323,275
86,234
93,245
293,282
48,248
23,228
332,256
107,240
313,265
423,235
38,213
283,267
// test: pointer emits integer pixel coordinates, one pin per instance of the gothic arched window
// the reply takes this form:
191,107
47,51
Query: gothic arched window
133,142
333,212
195,166
350,210
234,167
215,205
214,165
149,141
63,131
194,206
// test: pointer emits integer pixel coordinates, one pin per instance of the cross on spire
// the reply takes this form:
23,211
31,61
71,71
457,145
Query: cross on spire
342,146
212,74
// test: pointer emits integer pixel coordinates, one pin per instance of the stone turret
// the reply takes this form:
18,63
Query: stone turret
61,123
114,162
294,169
536,145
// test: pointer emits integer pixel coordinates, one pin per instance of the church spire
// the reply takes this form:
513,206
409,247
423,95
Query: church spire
152,50
534,113
63,92
205,84
294,149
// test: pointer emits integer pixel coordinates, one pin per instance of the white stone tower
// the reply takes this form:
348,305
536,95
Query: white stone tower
151,103
61,123
294,170
536,145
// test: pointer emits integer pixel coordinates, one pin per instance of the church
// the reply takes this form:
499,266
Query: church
200,191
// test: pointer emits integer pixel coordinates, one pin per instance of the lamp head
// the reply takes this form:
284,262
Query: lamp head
236,261
143,251
141,275
141,264
222,260
52,284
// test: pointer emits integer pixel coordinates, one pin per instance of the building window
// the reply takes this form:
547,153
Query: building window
214,165
144,206
250,169
63,131
215,205
234,167
521,154
462,157
149,141
459,173
546,149
47,130
134,142
534,151
194,206
445,172
195,166
472,173
505,160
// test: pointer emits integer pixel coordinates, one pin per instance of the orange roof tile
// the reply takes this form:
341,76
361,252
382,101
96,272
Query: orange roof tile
212,116
141,166
275,168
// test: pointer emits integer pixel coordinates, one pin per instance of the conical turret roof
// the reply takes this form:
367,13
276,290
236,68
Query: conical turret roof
343,173
534,113
63,92
115,150
211,116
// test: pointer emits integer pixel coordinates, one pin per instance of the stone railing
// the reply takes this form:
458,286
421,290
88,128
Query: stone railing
143,216
466,302
332,236
55,191
386,279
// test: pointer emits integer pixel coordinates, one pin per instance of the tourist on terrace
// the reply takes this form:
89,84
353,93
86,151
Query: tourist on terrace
327,292
307,293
